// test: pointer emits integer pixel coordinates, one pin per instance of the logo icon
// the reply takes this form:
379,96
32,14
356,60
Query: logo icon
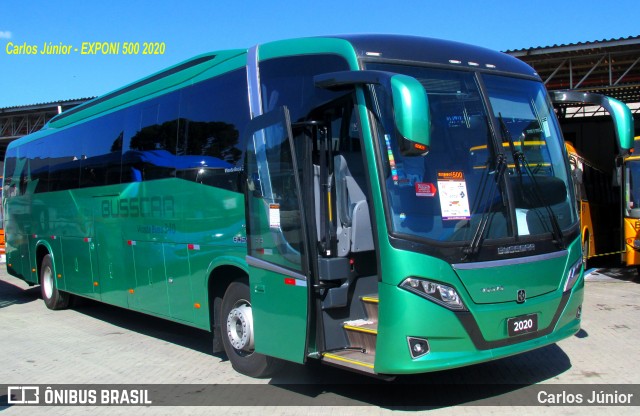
522,296
23,395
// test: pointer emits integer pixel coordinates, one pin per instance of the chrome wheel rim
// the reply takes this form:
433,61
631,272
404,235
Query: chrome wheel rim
47,282
240,327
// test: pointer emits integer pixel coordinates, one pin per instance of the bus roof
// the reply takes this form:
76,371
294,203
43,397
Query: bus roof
436,51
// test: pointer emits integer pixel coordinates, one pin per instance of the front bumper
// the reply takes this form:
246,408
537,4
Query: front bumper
463,338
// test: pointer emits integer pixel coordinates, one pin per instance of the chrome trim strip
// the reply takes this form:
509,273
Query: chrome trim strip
261,264
509,262
253,82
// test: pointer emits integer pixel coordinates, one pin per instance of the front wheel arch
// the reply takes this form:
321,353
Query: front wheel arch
219,280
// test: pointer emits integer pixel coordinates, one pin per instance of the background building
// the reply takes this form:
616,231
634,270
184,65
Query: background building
609,67
19,121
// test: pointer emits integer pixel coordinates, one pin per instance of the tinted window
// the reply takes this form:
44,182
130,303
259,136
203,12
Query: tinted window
101,150
153,130
213,115
64,162
289,81
38,166
9,188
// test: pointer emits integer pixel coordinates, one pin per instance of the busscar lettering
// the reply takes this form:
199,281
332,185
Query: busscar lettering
148,207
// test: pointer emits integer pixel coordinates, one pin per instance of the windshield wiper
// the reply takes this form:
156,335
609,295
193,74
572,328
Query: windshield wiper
486,204
521,164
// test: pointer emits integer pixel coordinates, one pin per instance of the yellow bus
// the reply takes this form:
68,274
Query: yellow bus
595,196
631,207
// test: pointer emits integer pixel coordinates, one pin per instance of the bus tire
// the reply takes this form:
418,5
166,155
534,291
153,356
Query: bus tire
236,322
53,298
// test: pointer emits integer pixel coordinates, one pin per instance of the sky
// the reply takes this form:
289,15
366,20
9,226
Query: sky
191,27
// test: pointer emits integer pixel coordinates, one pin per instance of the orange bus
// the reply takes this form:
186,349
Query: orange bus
595,197
631,206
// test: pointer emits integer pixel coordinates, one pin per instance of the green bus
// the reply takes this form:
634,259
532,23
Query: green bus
313,199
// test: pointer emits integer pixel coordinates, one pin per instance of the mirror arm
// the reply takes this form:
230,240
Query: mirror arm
343,80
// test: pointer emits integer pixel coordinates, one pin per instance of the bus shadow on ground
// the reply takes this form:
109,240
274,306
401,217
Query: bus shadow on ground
14,295
601,268
491,383
131,320
172,332
612,274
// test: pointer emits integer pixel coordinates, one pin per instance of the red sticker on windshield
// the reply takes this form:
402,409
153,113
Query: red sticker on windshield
425,189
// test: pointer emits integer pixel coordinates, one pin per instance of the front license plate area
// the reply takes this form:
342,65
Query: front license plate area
522,324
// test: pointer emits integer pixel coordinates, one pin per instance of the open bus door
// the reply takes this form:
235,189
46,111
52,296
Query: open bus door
277,244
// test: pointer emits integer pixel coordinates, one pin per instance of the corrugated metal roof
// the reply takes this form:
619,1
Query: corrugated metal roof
609,66
36,106
630,40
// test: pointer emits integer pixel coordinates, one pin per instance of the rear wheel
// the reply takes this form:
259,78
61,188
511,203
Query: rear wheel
53,298
238,335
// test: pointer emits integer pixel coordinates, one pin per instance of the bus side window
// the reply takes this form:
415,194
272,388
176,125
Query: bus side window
153,145
213,114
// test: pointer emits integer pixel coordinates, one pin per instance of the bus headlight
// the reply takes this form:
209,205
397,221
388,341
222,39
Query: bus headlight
574,274
434,291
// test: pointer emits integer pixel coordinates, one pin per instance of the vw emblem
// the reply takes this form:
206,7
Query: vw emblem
522,296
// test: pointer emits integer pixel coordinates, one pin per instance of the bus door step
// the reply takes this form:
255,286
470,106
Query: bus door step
351,359
362,334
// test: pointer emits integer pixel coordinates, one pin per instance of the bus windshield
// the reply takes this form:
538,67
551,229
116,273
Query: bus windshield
494,170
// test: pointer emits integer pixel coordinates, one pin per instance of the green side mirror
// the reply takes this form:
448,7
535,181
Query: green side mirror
620,113
411,114
622,121
410,103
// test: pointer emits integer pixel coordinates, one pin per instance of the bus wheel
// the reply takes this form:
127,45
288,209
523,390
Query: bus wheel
237,328
53,298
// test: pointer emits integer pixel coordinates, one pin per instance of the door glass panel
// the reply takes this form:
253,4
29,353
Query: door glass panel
274,222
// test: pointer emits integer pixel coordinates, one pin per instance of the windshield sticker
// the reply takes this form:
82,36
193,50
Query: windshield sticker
274,215
425,189
402,179
404,182
454,199
392,162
